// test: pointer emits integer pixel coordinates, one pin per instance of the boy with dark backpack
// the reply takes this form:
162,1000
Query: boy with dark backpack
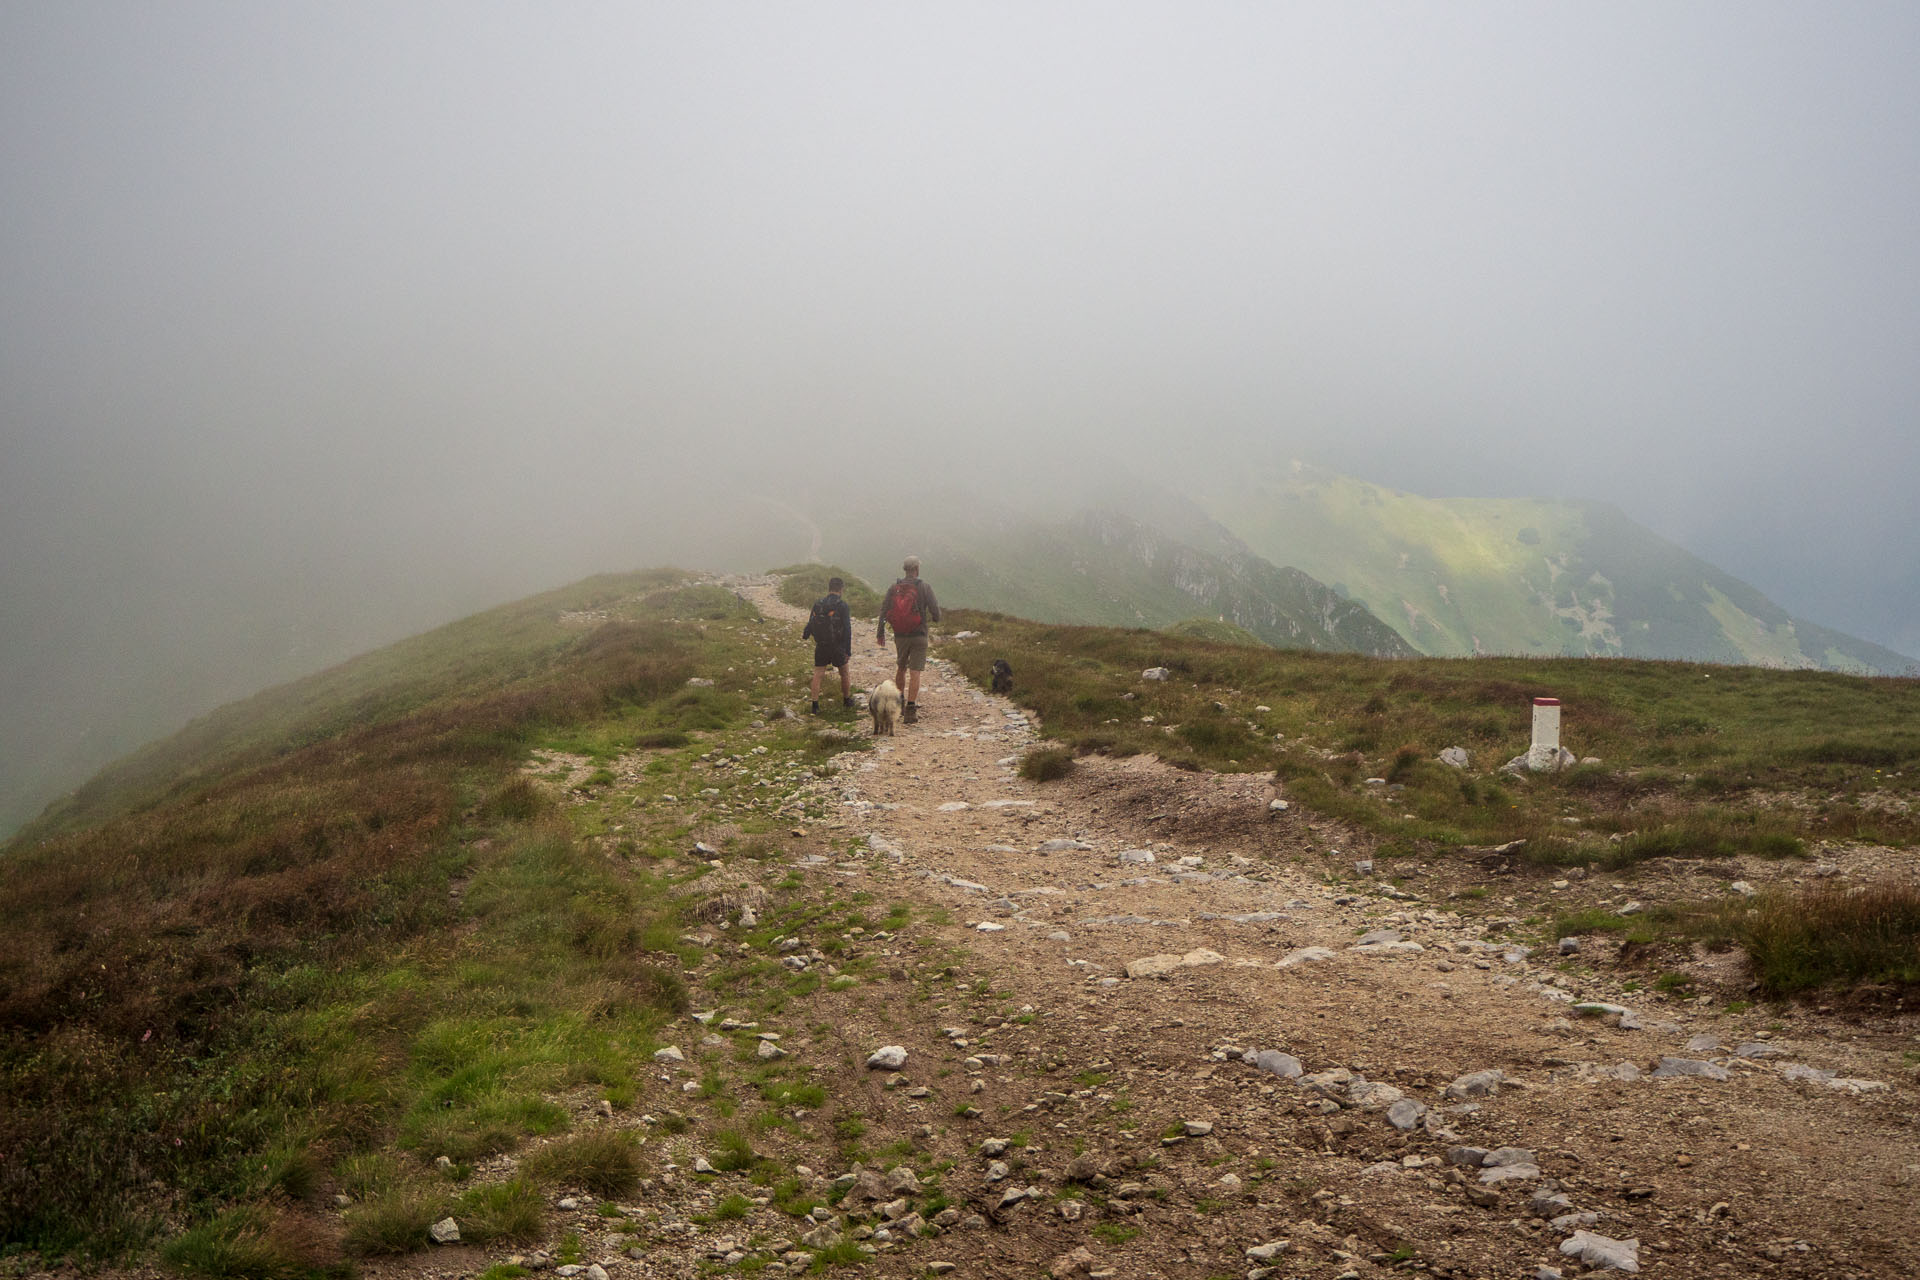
908,608
830,627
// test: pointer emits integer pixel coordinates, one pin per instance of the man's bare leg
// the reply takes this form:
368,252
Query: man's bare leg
913,687
846,682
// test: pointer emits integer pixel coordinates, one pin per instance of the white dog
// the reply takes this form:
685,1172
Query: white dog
885,703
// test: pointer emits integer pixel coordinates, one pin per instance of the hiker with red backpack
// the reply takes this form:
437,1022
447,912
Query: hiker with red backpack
908,607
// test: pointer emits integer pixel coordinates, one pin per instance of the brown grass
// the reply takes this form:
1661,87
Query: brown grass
137,947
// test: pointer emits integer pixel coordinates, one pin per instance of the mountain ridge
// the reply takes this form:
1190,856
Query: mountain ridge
1464,576
1103,566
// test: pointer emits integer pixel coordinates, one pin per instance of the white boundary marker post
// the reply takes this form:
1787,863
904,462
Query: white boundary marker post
1544,754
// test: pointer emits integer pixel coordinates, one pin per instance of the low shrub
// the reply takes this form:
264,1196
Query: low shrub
1046,764
1871,755
520,800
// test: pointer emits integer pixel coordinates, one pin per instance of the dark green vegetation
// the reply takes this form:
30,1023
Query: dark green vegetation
332,922
806,583
1697,761
1046,764
1796,942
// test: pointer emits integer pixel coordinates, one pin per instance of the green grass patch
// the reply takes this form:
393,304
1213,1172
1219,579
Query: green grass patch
1830,937
732,1208
802,584
394,1222
732,1151
255,1243
511,1212
603,1161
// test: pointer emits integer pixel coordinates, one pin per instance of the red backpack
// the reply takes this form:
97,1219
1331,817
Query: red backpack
903,608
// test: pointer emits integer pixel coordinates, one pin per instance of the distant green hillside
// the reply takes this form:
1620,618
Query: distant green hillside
1459,576
1104,568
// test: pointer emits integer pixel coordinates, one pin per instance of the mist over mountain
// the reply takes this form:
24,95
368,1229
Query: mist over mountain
1459,577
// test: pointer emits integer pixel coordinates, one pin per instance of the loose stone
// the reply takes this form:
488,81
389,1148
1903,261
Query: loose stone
1476,1084
1406,1113
1671,1068
1600,1251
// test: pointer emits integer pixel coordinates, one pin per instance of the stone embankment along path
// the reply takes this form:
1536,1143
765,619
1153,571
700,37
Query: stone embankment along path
1229,983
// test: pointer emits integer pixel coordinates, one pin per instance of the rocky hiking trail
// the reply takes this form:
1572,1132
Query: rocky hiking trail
1144,1024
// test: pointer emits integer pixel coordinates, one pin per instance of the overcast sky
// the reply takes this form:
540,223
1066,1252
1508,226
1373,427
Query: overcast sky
404,307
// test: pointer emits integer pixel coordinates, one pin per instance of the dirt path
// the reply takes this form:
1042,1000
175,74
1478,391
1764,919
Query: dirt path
1054,890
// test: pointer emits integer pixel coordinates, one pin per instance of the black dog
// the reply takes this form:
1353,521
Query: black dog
1002,676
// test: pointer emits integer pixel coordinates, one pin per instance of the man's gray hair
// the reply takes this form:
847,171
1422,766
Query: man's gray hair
912,564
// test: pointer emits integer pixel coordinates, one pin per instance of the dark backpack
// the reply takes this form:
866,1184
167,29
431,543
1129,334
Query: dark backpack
824,624
903,608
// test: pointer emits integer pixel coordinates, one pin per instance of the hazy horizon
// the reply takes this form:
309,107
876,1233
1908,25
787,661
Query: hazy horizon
323,324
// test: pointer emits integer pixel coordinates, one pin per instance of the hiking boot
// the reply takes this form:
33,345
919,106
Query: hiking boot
847,703
816,708
913,713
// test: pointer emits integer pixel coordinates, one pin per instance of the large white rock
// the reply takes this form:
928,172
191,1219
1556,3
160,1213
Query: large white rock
1600,1251
888,1057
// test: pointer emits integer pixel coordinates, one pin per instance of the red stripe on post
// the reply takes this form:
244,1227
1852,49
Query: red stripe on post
1546,702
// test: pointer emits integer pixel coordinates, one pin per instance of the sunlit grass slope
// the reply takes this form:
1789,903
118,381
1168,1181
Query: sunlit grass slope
1461,576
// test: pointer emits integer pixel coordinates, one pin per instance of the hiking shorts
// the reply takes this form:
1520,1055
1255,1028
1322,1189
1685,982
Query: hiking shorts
828,656
912,650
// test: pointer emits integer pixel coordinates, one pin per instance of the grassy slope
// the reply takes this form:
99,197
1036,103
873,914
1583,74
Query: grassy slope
1459,576
242,981
1690,753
